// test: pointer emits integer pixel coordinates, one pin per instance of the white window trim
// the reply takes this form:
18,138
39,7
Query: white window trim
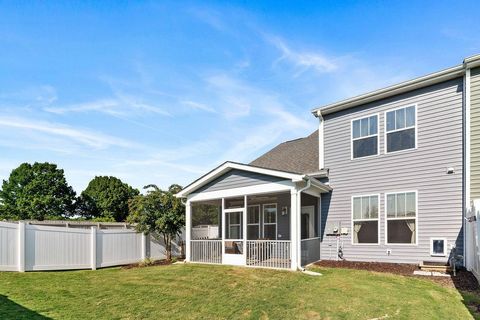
406,218
360,220
445,247
370,135
269,223
396,130
254,224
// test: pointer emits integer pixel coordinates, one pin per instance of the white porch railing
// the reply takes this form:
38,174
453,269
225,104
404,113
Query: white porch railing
206,251
269,253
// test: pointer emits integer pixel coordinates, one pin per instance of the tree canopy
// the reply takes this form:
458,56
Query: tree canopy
39,191
106,198
159,212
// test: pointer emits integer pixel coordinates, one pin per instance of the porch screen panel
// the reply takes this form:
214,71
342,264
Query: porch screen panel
206,220
270,221
253,222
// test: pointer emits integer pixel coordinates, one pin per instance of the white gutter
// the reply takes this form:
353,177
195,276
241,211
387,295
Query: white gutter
403,87
430,79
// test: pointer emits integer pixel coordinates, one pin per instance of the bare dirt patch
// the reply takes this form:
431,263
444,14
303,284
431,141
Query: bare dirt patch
162,262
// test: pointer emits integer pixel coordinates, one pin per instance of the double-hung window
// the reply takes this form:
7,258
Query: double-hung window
365,137
401,217
365,219
270,221
400,129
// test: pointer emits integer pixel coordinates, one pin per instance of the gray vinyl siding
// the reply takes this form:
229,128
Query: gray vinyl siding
439,136
475,133
237,179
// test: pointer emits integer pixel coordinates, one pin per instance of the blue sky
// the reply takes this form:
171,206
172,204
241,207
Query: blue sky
161,92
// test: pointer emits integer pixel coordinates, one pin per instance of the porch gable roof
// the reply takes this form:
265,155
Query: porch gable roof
227,166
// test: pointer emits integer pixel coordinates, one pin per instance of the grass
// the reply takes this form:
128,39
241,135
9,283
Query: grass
222,292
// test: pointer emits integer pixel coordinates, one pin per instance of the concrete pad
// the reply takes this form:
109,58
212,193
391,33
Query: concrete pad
422,273
440,274
430,273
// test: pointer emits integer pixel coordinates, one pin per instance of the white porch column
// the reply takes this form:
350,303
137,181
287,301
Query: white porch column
222,215
188,230
244,225
294,229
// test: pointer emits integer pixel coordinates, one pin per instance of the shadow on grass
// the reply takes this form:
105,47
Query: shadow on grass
12,310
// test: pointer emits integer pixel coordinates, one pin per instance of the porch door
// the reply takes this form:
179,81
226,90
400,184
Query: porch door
308,222
234,240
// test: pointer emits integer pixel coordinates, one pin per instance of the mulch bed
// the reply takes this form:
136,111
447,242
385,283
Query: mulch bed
396,268
464,280
163,262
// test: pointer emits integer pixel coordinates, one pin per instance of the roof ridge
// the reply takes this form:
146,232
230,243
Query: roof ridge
287,141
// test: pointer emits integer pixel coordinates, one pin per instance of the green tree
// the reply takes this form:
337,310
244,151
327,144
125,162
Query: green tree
159,212
106,199
39,191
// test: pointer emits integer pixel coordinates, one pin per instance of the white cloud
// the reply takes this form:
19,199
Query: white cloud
198,106
32,96
81,136
121,106
303,60
270,121
235,98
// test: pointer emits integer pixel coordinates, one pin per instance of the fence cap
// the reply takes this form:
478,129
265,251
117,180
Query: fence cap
77,224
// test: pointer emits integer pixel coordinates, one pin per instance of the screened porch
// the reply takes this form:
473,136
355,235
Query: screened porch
253,230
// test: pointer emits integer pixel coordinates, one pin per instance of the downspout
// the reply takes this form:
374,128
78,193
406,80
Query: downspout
466,198
299,200
321,147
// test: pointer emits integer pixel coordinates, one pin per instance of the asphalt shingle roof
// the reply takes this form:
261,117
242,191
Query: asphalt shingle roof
298,156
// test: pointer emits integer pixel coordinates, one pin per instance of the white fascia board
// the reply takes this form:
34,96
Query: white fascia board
472,62
280,186
403,87
321,186
232,165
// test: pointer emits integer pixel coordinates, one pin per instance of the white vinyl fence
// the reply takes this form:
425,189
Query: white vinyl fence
205,232
25,247
472,241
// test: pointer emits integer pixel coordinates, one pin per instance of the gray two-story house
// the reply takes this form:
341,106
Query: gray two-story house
386,177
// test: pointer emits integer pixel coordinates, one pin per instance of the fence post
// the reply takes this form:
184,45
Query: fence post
21,246
144,246
93,248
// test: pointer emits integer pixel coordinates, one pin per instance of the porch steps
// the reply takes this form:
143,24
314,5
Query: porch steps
435,267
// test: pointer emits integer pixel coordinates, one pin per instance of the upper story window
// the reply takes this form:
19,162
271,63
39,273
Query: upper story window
365,137
400,129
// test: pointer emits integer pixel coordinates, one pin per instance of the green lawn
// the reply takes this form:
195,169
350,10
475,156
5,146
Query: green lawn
220,292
